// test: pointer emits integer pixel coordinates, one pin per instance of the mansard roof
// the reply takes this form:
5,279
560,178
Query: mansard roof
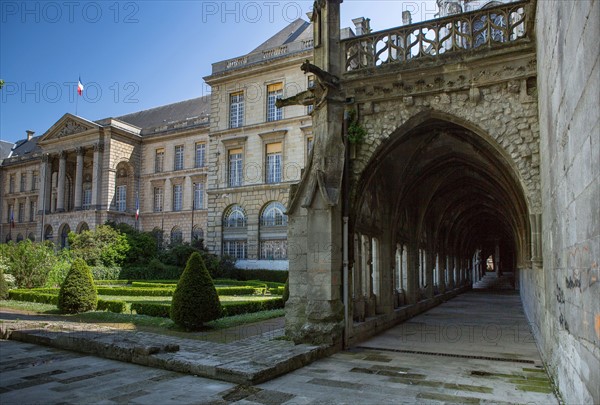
295,31
194,112
5,148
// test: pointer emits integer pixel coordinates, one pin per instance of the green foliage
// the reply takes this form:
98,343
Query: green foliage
238,308
29,262
278,276
142,245
59,271
117,307
151,309
356,132
286,290
78,293
195,300
33,296
137,292
3,285
153,270
106,272
103,246
177,254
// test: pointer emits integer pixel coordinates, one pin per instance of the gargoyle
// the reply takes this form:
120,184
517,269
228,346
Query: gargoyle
324,78
303,98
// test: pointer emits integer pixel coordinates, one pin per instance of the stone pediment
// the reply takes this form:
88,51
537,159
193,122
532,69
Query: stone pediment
68,125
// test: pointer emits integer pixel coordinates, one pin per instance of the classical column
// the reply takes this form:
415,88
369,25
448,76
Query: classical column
79,178
430,263
96,173
62,173
44,193
168,196
188,194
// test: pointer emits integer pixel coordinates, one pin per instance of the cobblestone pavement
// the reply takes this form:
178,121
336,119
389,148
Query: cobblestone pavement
401,365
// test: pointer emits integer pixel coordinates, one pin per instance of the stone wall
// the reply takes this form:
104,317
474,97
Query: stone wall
562,300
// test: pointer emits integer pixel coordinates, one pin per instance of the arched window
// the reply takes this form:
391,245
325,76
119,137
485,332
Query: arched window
197,233
31,237
234,217
48,233
273,232
19,238
273,215
82,227
176,235
235,237
64,236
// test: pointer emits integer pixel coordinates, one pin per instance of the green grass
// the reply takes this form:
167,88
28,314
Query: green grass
167,300
30,306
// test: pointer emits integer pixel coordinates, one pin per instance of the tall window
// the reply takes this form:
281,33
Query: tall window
311,85
176,235
273,232
179,157
87,196
234,217
177,197
159,160
23,181
200,154
158,199
274,91
235,248
11,184
121,198
236,162
32,210
236,110
235,233
21,212
34,181
273,163
198,196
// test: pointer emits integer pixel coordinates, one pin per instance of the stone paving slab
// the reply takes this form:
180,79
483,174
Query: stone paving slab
248,361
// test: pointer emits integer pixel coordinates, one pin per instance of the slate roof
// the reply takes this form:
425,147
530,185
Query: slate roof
295,31
5,148
196,110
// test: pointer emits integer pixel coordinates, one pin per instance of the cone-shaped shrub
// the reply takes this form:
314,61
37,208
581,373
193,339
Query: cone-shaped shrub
195,300
3,286
78,292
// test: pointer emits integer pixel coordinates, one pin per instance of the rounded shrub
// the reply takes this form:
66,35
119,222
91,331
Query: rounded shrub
3,286
78,293
195,300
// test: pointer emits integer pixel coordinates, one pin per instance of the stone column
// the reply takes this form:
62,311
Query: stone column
168,196
429,263
79,178
188,194
96,174
60,189
43,196
441,269
412,272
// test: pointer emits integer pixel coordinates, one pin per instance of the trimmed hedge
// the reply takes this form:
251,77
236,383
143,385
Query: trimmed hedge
111,282
278,276
112,306
139,284
234,308
33,296
152,309
168,292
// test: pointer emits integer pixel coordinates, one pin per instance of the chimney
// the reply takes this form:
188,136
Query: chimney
362,25
406,18
29,134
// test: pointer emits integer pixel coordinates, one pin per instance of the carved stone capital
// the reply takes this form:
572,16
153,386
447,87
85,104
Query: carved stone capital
80,151
99,147
45,158
62,154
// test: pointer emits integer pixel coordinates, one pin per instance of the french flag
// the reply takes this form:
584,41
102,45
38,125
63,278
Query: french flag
12,219
79,87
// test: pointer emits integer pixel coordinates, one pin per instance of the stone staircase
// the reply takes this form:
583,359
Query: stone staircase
491,282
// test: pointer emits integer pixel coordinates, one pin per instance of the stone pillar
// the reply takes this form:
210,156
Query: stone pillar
79,178
412,272
97,174
62,174
168,196
441,261
450,270
429,262
188,194
45,185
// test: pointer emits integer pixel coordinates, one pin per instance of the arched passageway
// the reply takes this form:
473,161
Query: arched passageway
436,200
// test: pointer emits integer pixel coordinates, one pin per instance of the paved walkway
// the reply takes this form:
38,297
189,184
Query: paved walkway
476,348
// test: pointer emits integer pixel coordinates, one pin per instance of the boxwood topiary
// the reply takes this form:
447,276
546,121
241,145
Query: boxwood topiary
78,293
195,300
3,286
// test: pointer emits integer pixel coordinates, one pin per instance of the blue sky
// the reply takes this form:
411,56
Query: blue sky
135,55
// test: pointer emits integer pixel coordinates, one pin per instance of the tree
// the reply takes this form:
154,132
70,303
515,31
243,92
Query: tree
78,292
142,245
29,262
195,300
104,246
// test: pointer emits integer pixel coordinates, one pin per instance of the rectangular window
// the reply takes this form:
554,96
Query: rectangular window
11,184
200,154
273,249
178,157
32,210
121,198
236,161
311,85
198,196
158,199
177,197
87,197
34,181
274,91
273,163
159,160
23,181
236,109
21,212
235,248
